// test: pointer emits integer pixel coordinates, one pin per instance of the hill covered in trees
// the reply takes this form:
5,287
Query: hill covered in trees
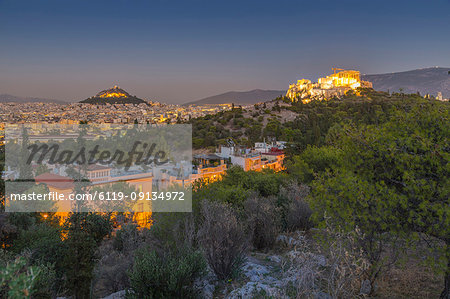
115,95
300,124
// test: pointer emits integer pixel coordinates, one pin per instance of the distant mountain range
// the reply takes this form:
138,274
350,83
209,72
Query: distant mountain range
426,81
240,97
4,98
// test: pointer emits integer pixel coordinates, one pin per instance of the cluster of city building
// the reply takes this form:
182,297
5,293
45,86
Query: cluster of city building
212,167
205,167
107,113
334,85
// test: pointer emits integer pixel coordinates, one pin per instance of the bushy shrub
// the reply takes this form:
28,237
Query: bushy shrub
172,230
116,259
8,231
295,210
170,238
43,241
262,220
222,238
298,215
45,284
127,238
20,278
85,232
237,184
313,161
110,273
165,276
17,279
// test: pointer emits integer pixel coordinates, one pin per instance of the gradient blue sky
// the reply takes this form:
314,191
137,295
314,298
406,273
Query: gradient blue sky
177,51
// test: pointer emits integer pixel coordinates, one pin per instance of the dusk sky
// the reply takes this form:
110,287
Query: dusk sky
178,51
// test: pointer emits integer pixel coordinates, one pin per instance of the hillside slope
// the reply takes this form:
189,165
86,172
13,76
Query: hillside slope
115,95
240,97
426,81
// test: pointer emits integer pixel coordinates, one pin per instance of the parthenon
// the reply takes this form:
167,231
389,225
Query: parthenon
336,84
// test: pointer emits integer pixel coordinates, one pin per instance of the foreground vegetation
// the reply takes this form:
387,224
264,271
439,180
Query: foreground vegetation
366,193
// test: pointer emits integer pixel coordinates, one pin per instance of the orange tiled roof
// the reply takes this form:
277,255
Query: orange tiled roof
55,180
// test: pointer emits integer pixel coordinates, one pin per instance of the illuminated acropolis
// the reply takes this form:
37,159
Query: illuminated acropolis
336,84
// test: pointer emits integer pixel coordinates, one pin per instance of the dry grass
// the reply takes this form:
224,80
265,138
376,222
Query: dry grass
411,280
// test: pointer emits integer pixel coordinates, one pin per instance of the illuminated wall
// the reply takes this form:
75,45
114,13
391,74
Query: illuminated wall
113,95
336,84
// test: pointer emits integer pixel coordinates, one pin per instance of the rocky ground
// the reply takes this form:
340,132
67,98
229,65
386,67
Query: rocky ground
295,268
271,275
